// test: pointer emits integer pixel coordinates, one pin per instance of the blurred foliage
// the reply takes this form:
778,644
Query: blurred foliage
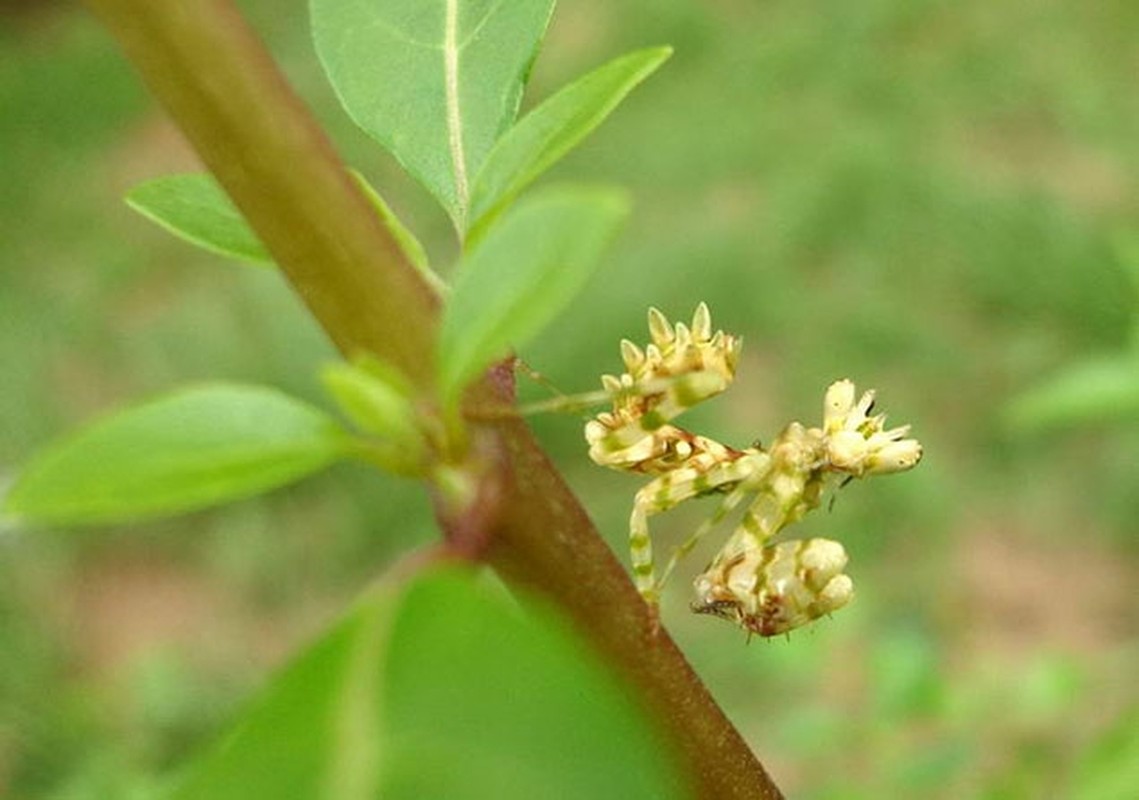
1092,391
920,195
436,687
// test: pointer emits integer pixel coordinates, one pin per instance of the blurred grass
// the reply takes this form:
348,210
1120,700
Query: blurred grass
920,195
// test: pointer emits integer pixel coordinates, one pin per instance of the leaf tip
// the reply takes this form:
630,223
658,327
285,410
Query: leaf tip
648,60
134,200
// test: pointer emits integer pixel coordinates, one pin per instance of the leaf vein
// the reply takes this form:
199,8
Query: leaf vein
454,112
490,12
401,35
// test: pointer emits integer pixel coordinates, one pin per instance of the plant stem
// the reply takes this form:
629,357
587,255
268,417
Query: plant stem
214,77
205,65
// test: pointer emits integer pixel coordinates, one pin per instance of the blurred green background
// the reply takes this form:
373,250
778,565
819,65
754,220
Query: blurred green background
917,194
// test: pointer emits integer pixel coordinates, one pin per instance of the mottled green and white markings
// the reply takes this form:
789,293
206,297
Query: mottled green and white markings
765,588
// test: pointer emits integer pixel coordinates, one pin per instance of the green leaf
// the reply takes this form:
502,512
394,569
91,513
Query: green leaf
195,208
482,702
521,275
436,82
378,400
314,734
440,689
194,448
374,396
406,240
1101,391
555,127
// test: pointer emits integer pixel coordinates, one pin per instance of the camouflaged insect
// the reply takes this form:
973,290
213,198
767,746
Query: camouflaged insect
765,588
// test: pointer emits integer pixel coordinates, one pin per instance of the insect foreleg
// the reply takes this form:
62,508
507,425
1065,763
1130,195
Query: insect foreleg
666,492
746,484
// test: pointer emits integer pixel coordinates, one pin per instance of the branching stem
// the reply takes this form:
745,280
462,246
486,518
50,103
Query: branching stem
218,83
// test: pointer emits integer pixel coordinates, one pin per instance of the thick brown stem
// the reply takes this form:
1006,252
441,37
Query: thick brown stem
218,83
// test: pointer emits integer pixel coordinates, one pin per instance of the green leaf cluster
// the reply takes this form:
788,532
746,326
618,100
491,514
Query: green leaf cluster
450,120
439,85
434,689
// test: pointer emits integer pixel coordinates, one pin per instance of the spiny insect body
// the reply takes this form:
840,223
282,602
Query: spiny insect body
766,588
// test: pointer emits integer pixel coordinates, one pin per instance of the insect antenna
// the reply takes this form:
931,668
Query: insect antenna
537,377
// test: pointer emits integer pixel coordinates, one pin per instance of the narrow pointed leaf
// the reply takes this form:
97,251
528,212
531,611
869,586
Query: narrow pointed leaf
194,207
1100,391
407,241
440,689
555,127
191,449
436,82
521,275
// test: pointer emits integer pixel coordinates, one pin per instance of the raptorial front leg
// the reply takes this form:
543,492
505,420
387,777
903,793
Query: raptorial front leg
752,475
681,367
636,432
666,492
